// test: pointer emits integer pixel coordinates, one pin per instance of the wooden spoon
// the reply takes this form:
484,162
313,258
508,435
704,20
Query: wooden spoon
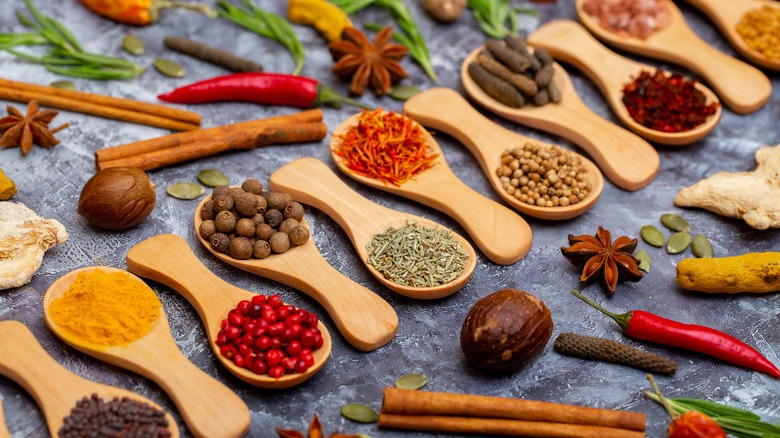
3,428
626,159
207,406
54,388
570,42
487,140
311,182
727,14
364,319
742,87
167,259
486,221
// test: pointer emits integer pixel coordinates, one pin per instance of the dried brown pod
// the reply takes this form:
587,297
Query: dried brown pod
117,198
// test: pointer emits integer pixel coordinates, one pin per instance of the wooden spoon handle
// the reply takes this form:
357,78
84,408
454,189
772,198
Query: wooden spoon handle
568,41
23,360
4,433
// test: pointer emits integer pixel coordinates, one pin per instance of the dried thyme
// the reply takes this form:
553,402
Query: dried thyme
417,256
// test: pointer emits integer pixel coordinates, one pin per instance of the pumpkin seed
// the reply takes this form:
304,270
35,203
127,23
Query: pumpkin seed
678,242
411,381
212,178
133,45
185,191
169,68
403,92
644,260
652,236
63,85
675,222
701,246
359,413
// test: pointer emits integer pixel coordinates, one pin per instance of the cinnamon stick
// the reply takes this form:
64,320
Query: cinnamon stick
500,426
238,139
92,109
99,99
408,402
178,139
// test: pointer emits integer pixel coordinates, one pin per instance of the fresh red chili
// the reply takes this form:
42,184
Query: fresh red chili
264,88
646,326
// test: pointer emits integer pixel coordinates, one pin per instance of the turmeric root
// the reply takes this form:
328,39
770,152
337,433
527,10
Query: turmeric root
752,196
7,187
752,272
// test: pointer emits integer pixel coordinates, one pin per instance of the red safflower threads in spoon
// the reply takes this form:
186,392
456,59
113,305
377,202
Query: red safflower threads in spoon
266,336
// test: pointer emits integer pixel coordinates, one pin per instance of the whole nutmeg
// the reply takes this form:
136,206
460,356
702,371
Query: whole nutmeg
117,198
444,10
505,330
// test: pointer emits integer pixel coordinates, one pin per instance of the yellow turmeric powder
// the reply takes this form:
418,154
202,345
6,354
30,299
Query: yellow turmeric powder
326,17
751,272
760,28
106,308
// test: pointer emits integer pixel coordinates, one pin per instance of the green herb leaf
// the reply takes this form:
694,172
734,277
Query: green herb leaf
359,413
492,16
715,409
403,92
411,381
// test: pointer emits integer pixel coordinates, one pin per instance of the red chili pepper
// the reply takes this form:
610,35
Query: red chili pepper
646,326
264,88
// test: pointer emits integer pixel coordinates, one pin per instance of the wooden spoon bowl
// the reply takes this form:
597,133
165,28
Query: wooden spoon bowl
727,14
167,259
365,319
626,159
487,141
207,406
486,221
54,388
311,182
742,87
570,42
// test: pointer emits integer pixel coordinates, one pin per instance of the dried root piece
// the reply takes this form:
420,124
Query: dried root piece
24,237
752,196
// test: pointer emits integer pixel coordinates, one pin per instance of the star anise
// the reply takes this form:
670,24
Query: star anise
315,431
599,257
375,64
25,130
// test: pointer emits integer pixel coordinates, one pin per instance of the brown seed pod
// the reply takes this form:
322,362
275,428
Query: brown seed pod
117,198
220,242
262,249
245,228
273,218
219,190
445,11
207,210
207,229
280,242
225,222
496,87
293,210
246,204
264,232
288,225
252,186
258,219
299,235
240,248
277,200
235,192
222,203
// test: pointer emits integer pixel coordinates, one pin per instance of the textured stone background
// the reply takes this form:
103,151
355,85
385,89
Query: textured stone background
428,335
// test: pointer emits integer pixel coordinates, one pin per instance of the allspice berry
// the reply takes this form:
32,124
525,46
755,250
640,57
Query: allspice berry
299,235
207,210
273,218
262,205
219,190
264,232
117,198
278,200
222,203
225,222
280,242
293,210
207,229
235,192
288,225
262,249
245,228
252,186
246,204
258,219
220,242
240,248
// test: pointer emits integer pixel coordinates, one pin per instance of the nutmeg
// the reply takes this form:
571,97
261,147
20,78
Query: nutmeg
505,330
117,198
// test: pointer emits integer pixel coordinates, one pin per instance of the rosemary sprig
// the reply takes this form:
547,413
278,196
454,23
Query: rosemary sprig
266,24
411,37
65,55
735,421
492,16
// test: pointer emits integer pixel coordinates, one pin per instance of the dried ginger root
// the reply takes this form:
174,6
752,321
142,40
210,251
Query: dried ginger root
752,196
24,237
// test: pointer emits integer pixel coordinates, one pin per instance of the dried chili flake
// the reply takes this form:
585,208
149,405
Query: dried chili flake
386,146
666,102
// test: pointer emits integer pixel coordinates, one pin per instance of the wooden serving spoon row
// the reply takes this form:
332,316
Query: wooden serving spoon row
727,14
742,87
570,42
54,388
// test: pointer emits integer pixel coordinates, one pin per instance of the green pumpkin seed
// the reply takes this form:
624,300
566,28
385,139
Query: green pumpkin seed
169,68
64,85
403,92
701,246
213,178
652,236
678,242
411,381
675,222
185,191
133,45
359,413
644,260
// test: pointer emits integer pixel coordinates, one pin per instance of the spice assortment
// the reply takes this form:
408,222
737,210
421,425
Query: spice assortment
509,73
230,222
